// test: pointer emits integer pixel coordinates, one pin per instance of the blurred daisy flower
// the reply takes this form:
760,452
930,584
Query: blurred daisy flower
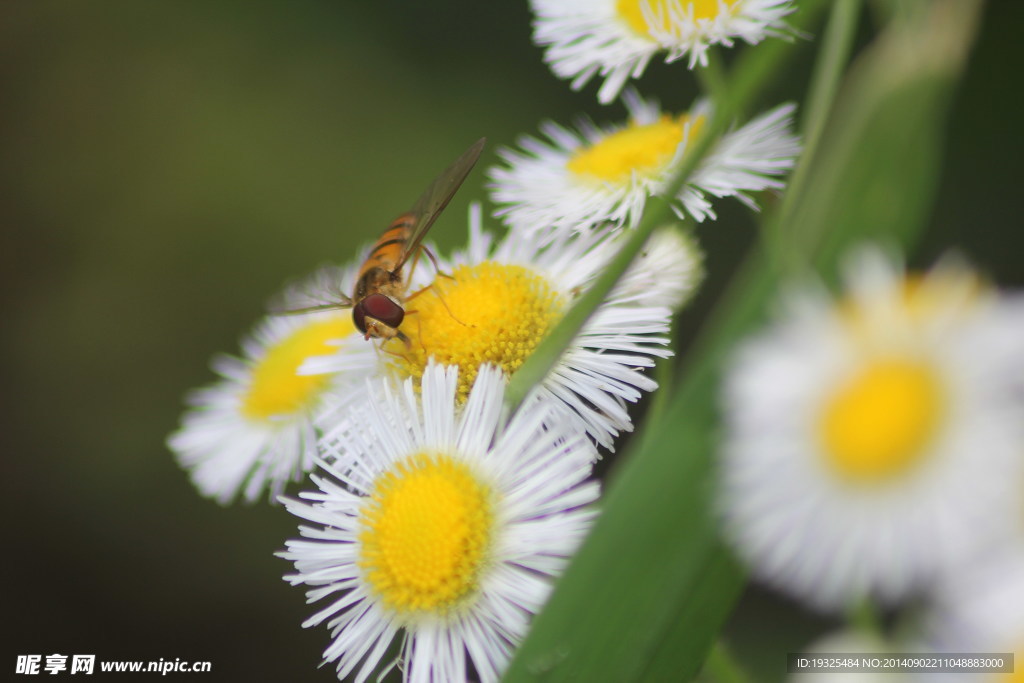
579,179
981,610
254,429
497,302
874,442
615,39
444,525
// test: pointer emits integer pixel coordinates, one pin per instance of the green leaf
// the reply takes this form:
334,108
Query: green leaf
881,152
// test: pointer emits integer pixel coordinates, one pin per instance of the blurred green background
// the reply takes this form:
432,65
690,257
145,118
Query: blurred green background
166,166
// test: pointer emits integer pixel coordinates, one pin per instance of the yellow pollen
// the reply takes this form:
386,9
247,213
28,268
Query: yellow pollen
880,422
663,11
645,149
487,313
275,388
425,534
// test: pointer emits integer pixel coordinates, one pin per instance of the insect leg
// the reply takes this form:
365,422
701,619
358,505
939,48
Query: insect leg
433,260
440,297
382,347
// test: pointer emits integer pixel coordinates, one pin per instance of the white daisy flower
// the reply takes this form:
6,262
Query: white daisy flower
446,525
615,39
667,271
254,429
981,612
875,442
496,303
595,175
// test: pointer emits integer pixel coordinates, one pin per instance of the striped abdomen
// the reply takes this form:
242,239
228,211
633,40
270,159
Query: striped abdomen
388,251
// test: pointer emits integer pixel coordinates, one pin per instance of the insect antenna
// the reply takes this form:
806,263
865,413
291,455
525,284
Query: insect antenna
318,292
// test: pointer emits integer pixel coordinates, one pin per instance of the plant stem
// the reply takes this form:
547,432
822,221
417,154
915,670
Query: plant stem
864,618
828,71
723,667
712,78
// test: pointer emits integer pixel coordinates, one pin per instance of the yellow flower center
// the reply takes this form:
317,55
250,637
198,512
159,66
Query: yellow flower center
644,149
881,421
488,313
425,534
275,388
663,13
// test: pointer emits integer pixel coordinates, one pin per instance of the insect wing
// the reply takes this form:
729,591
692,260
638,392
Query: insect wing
433,200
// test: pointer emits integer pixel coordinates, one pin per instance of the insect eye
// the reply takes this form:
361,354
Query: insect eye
380,307
359,317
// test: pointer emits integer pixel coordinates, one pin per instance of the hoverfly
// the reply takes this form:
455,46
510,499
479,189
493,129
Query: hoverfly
380,286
